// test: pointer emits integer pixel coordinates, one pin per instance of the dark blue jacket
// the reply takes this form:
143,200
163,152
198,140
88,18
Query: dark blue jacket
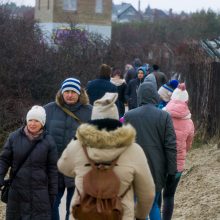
97,88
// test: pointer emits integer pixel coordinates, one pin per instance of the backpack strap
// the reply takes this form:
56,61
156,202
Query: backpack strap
124,193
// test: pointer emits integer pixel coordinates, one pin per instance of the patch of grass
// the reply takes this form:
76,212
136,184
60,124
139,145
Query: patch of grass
197,142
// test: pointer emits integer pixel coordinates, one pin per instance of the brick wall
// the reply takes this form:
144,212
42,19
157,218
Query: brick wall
85,12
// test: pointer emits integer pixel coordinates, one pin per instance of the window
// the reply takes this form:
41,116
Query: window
70,5
99,6
48,4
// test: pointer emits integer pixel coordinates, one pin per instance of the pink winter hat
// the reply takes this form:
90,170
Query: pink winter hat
180,93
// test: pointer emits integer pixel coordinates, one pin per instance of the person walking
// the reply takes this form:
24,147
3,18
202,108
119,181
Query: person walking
106,139
31,154
184,129
70,109
98,87
156,135
165,92
132,87
157,77
119,82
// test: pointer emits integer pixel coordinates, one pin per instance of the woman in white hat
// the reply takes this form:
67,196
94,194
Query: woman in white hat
31,154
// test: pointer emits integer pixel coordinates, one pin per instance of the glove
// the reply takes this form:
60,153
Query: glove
170,179
52,200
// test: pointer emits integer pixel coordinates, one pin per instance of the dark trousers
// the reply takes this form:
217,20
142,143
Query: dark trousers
168,197
69,195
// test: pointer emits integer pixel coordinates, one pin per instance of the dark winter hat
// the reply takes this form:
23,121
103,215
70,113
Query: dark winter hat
71,84
173,83
137,62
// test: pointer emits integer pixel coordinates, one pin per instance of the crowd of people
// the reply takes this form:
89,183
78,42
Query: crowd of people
58,143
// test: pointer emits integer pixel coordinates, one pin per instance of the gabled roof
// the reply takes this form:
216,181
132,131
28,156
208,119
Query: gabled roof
153,11
120,9
212,47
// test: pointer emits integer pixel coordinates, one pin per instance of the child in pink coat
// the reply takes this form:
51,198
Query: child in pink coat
184,129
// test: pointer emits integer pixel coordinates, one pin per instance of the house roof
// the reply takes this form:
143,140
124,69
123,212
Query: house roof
153,11
212,47
120,9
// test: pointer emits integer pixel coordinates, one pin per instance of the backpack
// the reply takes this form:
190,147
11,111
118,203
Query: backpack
100,199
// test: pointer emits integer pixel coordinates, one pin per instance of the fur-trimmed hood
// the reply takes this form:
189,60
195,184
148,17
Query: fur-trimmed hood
83,97
103,145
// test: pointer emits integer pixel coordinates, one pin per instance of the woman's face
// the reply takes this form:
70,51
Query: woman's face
34,126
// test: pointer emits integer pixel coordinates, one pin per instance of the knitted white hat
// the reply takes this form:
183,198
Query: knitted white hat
105,107
180,93
37,113
71,84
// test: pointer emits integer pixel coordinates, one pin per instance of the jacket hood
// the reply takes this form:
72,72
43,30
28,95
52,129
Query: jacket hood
178,109
147,94
117,82
83,98
103,145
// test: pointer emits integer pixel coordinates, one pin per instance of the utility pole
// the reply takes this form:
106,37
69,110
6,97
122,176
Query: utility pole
139,5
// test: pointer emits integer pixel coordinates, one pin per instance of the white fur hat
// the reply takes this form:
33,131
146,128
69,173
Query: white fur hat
37,113
105,107
180,93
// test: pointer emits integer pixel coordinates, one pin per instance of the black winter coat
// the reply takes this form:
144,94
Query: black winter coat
34,187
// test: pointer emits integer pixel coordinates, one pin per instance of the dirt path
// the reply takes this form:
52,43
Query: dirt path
198,194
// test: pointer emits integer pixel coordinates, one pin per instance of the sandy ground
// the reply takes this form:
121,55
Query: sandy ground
198,194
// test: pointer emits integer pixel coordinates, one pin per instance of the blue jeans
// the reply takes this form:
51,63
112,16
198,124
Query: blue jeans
155,210
55,213
168,197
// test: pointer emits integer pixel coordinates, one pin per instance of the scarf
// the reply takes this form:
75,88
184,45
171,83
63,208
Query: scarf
31,136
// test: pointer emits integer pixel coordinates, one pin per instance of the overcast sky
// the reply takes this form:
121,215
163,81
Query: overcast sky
176,5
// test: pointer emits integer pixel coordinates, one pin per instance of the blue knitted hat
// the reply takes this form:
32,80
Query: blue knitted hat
71,84
173,83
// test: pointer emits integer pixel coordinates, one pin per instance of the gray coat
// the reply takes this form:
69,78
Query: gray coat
62,127
155,134
34,187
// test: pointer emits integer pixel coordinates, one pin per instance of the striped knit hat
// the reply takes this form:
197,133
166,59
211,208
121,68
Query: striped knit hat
71,84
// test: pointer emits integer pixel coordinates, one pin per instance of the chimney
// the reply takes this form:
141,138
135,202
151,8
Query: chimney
139,5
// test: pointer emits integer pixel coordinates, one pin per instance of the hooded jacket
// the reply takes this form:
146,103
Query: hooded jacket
184,129
155,134
106,145
36,182
62,127
121,88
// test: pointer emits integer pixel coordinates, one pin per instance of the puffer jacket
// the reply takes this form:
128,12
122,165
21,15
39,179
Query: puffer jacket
34,187
155,134
62,127
184,129
132,167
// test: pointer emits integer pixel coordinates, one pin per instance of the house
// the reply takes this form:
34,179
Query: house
92,15
153,14
125,12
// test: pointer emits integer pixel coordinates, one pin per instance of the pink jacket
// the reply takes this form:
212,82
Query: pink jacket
184,129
